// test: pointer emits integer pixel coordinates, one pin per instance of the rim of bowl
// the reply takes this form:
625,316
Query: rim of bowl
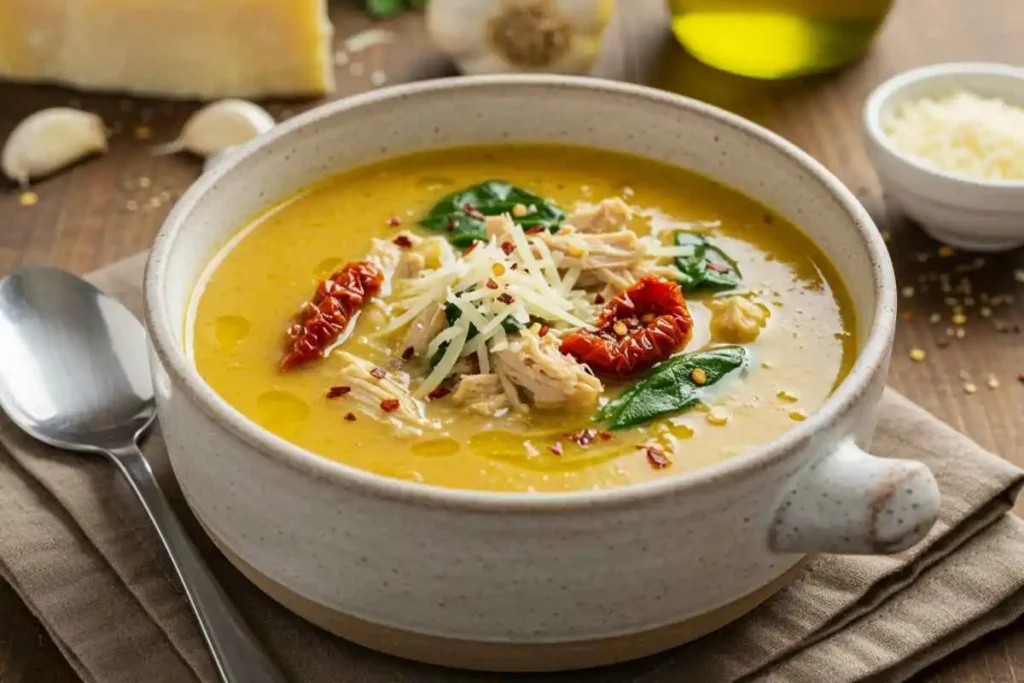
168,348
880,96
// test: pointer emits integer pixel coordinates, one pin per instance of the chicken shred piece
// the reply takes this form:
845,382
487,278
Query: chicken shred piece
423,328
367,392
549,377
488,394
621,250
498,226
409,261
736,319
608,215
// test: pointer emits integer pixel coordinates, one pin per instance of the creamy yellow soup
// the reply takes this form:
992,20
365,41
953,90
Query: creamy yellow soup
254,287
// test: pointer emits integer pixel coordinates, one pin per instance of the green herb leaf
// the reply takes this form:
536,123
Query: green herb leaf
669,386
708,268
459,214
382,9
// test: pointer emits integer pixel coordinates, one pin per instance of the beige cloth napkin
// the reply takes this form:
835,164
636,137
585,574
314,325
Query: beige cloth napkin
77,548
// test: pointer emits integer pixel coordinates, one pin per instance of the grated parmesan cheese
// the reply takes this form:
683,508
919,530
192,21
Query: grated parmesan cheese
962,133
488,287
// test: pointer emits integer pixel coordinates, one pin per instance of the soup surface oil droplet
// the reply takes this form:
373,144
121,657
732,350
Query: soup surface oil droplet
230,330
281,411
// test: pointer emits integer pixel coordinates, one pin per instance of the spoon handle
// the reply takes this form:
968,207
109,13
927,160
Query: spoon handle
236,652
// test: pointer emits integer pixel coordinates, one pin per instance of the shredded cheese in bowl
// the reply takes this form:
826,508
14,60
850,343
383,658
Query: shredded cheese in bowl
962,133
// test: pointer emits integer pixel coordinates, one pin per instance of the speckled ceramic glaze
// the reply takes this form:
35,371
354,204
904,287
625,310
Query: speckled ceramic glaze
532,581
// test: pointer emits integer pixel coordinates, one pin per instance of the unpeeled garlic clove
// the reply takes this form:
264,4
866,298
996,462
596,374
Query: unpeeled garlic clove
50,140
218,126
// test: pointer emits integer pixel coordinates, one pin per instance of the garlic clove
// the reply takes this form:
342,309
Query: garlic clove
50,140
218,126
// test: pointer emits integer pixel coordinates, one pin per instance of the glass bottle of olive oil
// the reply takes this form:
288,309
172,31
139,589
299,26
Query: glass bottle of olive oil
777,38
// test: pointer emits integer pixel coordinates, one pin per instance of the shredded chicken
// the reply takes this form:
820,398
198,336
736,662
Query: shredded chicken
549,377
491,395
409,259
386,256
610,215
497,226
436,251
586,251
367,392
423,328
736,320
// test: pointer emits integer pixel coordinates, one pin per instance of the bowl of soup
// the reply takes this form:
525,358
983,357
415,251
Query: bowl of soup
527,373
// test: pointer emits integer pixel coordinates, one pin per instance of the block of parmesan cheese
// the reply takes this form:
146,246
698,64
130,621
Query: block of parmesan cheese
174,48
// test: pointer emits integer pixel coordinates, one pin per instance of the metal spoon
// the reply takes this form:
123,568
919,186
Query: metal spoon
74,374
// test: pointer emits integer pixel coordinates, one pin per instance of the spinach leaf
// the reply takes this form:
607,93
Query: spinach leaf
669,386
453,313
707,268
461,214
381,9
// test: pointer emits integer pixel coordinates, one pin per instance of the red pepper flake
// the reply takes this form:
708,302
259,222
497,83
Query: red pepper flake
403,241
583,438
506,298
544,329
389,405
472,212
394,221
491,284
470,248
408,353
508,247
451,224
438,392
535,230
656,456
605,436
717,267
598,299
350,417
378,373
556,448
338,391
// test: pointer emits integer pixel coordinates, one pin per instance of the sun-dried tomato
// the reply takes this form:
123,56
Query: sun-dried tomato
623,346
323,319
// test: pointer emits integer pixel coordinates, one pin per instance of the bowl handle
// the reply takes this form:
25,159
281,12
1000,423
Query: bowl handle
852,502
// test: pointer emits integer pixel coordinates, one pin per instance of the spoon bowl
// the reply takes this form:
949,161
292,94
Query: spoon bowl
74,374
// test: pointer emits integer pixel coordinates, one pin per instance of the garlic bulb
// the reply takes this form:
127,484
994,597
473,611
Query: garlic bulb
219,125
49,140
505,36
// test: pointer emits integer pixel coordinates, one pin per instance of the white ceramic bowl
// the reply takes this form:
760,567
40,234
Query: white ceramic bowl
964,212
519,581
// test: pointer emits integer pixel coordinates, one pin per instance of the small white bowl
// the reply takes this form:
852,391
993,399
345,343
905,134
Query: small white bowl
970,213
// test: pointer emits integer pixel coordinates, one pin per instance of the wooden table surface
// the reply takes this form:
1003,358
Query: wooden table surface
111,207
